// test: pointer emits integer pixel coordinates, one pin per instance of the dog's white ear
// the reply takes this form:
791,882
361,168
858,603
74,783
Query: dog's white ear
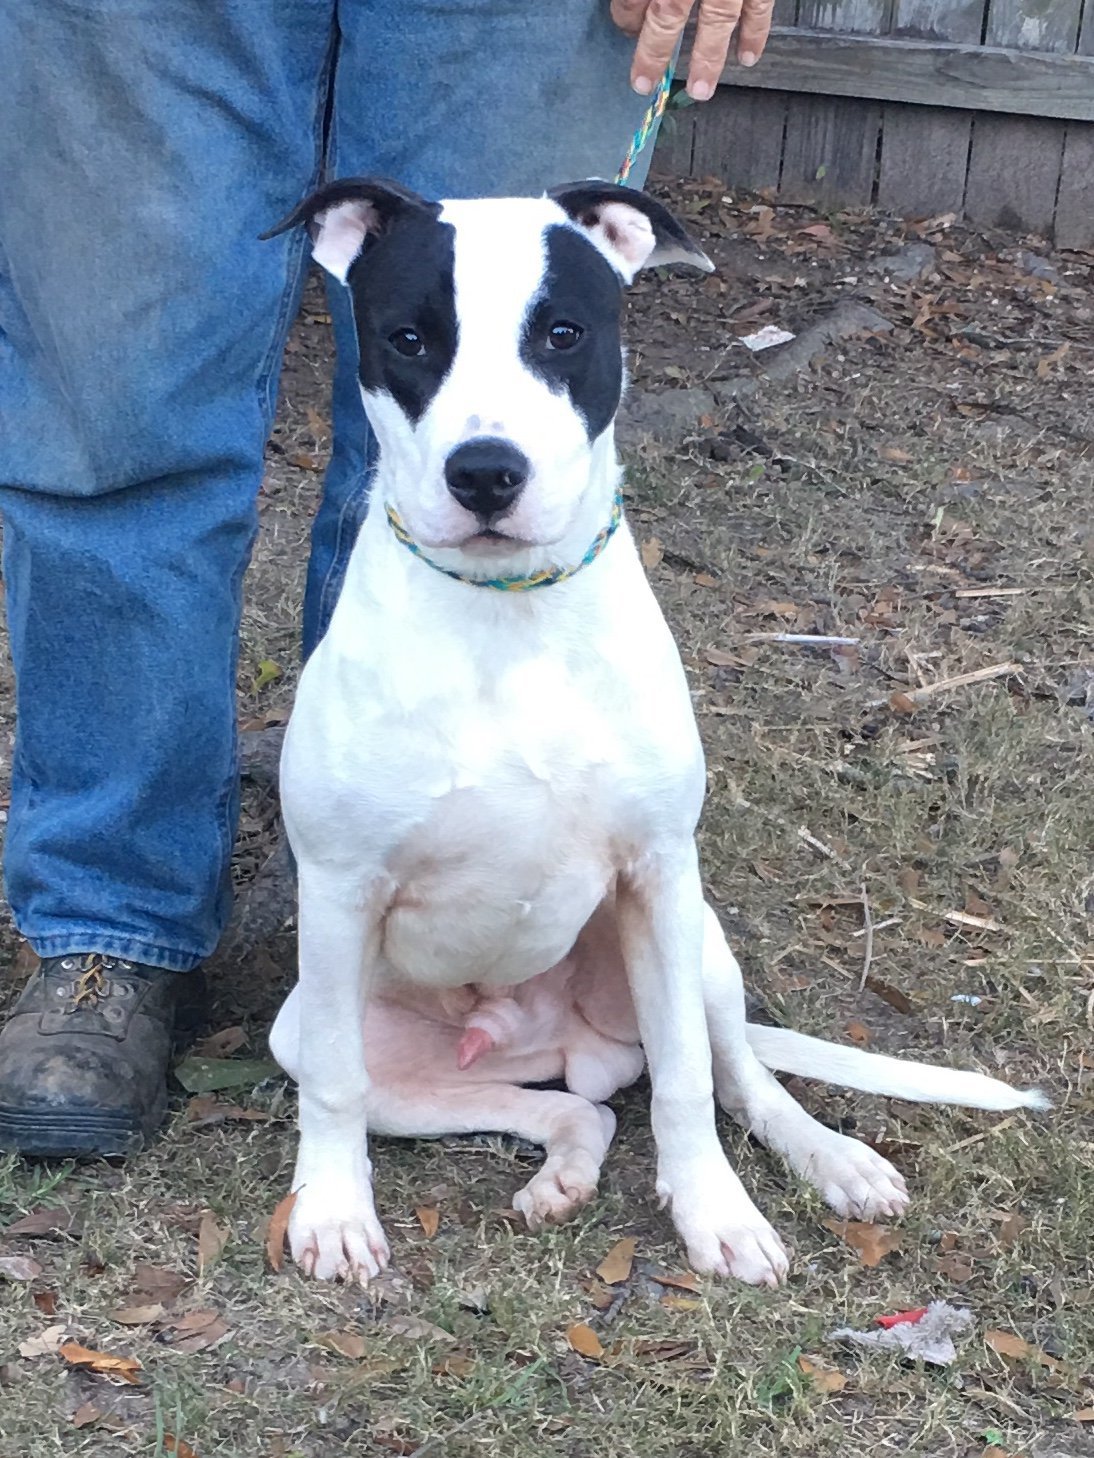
630,228
341,215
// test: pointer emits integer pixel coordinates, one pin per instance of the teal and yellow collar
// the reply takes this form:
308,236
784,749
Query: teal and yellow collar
547,577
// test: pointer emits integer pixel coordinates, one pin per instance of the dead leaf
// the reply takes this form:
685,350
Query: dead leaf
890,994
1084,1415
405,1325
901,703
895,454
105,1363
1010,1344
680,1303
179,1446
45,1343
824,1379
584,1340
858,1033
345,1343
720,659
454,1365
86,1414
222,1044
206,1109
44,1223
19,1268
1011,1228
46,1302
704,579
652,553
956,1266
685,1281
212,1238
203,1338
304,462
275,1235
163,1285
429,1218
872,1242
1045,363
616,1265
137,1315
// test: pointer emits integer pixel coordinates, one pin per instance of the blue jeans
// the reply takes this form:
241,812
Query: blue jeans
144,145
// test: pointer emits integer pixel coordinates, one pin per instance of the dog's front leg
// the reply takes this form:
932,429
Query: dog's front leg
660,910
333,1230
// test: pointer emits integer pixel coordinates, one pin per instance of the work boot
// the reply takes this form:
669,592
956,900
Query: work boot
84,1054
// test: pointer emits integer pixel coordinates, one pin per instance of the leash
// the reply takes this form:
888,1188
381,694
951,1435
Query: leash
545,578
654,112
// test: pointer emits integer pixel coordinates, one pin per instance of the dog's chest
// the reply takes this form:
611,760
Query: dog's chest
526,813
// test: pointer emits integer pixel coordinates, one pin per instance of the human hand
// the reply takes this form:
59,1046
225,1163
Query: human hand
658,24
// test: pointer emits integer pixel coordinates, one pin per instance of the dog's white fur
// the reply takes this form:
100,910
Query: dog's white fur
492,800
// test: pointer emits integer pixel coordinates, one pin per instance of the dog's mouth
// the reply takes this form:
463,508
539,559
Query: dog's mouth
491,542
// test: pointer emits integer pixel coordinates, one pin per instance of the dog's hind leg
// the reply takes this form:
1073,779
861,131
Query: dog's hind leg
575,1133
852,1179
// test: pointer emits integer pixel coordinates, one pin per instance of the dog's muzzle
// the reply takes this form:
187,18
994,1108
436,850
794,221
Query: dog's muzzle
486,476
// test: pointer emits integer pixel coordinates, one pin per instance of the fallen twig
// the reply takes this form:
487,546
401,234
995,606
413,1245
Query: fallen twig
964,918
828,640
879,925
868,932
943,685
819,846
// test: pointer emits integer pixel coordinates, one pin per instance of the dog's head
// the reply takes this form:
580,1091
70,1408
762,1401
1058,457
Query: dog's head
490,352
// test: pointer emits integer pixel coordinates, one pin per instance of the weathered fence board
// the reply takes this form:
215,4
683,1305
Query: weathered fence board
741,140
1075,199
925,154
1014,164
984,107
930,73
830,151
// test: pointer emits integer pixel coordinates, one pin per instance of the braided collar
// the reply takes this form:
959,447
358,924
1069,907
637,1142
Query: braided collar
546,577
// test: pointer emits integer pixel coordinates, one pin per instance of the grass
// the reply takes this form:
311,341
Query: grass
878,505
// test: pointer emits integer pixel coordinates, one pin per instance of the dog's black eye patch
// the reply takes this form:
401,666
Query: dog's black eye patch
404,303
570,336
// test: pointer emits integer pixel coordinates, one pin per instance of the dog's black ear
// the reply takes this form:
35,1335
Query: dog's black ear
631,228
342,214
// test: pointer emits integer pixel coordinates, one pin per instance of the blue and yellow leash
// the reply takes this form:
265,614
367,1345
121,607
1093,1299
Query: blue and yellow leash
654,112
548,576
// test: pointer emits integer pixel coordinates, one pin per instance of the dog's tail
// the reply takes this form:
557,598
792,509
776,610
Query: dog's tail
785,1051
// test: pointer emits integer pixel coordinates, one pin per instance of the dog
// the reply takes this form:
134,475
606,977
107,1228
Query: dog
492,774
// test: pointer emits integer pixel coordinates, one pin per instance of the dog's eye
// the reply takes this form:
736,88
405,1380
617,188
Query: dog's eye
408,342
563,335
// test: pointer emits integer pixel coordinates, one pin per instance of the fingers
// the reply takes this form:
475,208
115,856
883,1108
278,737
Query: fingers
629,15
754,30
717,22
662,26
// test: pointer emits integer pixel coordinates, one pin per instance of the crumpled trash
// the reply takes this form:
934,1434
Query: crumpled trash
927,1335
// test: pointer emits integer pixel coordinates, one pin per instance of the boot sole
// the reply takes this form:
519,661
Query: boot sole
71,1134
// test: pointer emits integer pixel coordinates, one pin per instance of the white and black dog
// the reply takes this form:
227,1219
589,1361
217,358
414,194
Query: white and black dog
492,776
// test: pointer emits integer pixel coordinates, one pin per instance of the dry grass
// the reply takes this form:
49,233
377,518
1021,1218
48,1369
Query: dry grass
871,505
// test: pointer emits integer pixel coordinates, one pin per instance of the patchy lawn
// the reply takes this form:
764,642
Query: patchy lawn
924,487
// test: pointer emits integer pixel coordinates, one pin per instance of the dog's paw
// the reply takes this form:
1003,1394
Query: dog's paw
855,1181
335,1239
558,1189
725,1235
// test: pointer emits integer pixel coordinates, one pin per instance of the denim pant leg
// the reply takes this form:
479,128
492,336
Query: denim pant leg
484,98
143,148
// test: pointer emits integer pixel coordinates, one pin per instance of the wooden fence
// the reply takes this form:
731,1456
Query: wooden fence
980,107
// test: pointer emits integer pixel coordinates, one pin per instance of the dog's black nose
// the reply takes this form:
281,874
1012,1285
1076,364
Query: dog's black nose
486,476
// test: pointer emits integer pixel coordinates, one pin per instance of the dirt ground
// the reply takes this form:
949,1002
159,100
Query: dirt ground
899,864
